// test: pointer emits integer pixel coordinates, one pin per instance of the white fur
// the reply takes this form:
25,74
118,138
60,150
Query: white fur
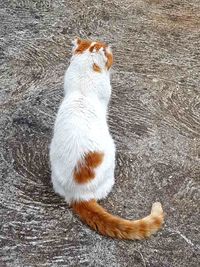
81,127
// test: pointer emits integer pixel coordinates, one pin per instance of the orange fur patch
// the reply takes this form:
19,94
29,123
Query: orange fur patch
97,218
107,224
84,171
96,68
143,229
82,46
157,222
109,60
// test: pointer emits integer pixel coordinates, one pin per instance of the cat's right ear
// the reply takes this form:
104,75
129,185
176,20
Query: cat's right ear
75,43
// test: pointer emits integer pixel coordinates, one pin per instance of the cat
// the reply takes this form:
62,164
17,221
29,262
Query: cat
82,151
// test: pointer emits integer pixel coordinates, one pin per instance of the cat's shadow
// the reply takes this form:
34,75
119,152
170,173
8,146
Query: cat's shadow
30,157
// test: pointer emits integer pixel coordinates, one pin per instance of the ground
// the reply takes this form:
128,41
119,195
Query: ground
154,118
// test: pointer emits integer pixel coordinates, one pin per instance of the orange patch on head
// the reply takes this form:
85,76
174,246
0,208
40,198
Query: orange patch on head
96,68
84,171
82,46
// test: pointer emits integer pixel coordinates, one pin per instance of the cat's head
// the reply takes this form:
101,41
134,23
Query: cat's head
98,53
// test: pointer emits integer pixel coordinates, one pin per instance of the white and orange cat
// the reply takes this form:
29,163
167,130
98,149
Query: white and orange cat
82,151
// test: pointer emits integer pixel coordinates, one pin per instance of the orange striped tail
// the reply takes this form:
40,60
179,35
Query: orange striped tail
109,225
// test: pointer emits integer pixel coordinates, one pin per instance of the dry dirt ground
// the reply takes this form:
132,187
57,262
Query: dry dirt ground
154,119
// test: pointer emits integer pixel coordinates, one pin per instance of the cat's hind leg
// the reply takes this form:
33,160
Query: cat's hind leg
106,185
58,188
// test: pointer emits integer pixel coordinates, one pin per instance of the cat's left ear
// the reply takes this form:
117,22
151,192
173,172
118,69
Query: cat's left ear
75,43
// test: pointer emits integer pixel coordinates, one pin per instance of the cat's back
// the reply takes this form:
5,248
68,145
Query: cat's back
80,111
80,127
80,124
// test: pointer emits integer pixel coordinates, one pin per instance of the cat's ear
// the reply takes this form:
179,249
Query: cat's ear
75,43
108,56
106,50
106,53
109,49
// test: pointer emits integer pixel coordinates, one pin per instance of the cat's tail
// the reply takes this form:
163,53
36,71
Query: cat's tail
107,224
